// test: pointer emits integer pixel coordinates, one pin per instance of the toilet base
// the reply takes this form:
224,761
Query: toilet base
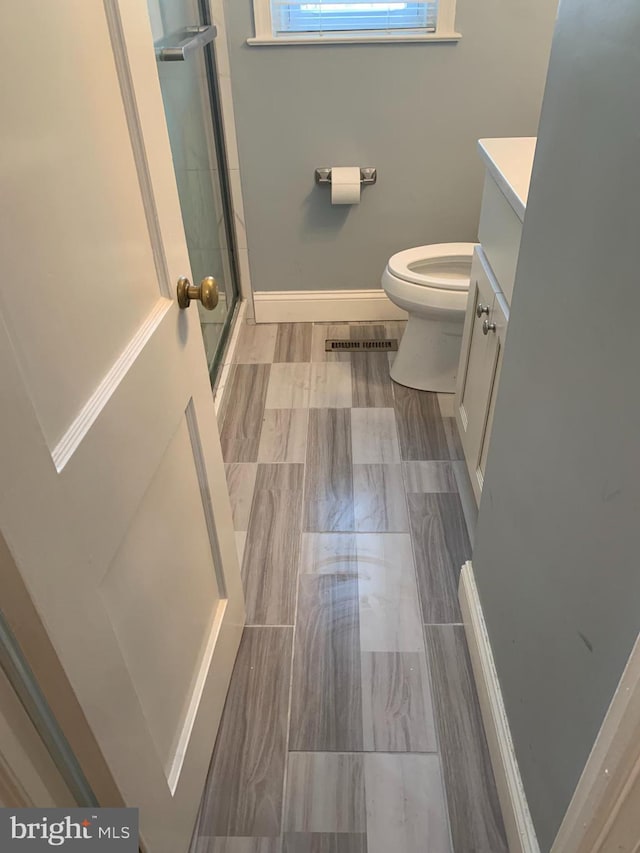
428,354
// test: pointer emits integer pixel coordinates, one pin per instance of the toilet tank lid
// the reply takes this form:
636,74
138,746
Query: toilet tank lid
441,265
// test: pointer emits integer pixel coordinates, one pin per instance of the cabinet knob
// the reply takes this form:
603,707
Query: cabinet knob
481,309
488,327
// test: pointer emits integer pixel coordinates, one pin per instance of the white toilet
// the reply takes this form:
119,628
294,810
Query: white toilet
431,283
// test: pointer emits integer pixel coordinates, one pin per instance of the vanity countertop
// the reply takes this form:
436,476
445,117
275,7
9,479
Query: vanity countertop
509,161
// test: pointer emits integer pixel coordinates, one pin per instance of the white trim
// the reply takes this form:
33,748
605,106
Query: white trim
519,827
324,306
246,288
610,774
28,774
446,17
401,38
262,18
222,387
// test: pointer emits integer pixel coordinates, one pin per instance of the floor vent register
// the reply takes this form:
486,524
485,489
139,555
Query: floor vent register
361,346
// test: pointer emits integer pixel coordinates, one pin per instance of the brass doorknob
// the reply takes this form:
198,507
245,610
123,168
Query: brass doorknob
206,292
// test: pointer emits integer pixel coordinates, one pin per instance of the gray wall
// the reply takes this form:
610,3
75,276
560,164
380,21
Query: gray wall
557,544
414,111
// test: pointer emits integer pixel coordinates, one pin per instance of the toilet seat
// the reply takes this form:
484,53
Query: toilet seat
444,266
414,298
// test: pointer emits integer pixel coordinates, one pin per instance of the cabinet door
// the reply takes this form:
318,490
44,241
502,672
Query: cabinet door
477,372
499,318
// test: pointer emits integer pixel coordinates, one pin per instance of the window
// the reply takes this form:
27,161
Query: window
292,17
301,21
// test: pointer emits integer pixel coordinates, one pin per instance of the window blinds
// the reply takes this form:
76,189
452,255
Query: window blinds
329,16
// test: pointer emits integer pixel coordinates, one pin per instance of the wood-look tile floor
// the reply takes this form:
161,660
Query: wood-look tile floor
352,723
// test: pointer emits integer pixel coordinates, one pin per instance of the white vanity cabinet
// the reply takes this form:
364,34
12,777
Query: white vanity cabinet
483,338
504,200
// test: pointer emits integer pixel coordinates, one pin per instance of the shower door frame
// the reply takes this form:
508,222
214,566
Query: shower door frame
217,121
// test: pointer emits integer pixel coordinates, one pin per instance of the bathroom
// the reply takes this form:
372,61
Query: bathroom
349,577
415,112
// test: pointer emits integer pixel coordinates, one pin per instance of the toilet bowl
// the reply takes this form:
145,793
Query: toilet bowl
431,283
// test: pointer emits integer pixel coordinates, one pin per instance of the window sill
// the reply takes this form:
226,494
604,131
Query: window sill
352,38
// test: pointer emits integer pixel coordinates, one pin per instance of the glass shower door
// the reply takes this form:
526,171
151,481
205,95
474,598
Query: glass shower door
185,50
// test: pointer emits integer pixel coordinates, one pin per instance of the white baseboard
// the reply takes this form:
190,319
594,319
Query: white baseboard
521,834
324,306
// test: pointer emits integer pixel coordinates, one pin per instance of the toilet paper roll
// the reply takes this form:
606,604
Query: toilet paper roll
345,185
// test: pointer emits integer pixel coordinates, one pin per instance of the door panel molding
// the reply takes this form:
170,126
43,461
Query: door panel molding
134,55
68,444
112,10
205,494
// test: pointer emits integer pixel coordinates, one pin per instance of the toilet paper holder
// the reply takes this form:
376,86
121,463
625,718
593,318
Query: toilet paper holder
368,175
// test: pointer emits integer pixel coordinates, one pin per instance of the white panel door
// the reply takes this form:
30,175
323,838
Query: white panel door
113,499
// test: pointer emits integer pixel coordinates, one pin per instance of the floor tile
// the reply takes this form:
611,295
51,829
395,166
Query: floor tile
429,477
241,539
330,386
389,610
326,331
293,342
328,553
325,842
395,329
338,480
467,498
272,548
397,709
374,437
406,808
240,434
476,821
256,343
325,793
441,546
379,499
371,380
236,845
452,434
284,435
367,332
420,427
288,386
243,794
328,499
241,480
326,693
